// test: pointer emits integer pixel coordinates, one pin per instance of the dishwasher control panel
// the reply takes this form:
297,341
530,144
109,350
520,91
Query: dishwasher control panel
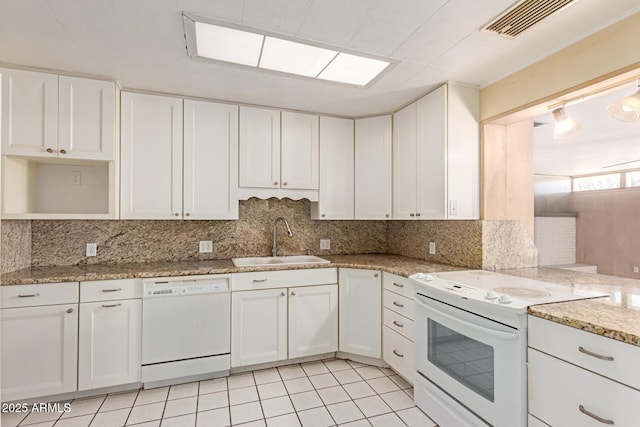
158,288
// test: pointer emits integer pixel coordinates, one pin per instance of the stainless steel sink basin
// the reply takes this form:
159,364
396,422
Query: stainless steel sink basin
278,260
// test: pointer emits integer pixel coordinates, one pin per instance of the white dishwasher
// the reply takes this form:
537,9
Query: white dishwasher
185,329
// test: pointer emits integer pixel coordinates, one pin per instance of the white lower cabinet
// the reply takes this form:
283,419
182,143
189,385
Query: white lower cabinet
398,320
398,353
258,326
110,337
39,350
313,320
360,312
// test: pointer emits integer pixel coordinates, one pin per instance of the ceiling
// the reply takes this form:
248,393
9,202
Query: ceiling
602,144
141,44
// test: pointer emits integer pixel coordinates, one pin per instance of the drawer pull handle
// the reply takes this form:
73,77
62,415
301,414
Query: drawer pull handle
597,356
112,290
594,416
398,354
111,305
399,325
282,294
397,304
28,296
400,285
259,280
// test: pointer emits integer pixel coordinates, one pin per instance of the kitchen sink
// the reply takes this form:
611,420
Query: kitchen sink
278,260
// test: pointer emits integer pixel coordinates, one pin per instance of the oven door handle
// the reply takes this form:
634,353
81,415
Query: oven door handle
497,334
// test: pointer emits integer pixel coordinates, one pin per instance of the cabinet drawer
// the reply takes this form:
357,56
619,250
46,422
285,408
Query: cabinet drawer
398,353
283,278
561,394
106,290
42,294
399,323
399,304
588,350
399,285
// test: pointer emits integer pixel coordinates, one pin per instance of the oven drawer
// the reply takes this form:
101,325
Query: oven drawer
399,323
398,353
40,294
109,290
399,304
283,278
399,285
588,350
561,394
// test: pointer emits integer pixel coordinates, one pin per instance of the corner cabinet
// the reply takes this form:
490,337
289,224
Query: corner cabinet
168,175
335,199
373,168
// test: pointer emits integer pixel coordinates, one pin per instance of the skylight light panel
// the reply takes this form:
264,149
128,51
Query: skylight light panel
352,69
228,44
295,58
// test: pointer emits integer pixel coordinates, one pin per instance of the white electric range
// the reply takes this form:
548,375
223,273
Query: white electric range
471,343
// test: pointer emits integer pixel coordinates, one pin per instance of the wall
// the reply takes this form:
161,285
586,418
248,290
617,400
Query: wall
607,230
15,245
552,195
610,50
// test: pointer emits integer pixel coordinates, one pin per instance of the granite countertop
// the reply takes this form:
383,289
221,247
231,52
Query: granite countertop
395,264
616,316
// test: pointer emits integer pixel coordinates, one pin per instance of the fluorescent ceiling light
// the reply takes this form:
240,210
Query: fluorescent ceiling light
227,44
295,58
353,69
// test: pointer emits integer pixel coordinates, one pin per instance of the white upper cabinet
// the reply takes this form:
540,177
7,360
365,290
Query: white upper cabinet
299,151
373,168
404,163
210,160
335,200
44,115
87,113
151,161
259,148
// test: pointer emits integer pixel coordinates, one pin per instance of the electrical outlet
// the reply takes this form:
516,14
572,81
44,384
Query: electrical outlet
92,249
325,244
432,248
76,178
206,246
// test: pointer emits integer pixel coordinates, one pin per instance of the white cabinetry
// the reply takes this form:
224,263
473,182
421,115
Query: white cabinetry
110,334
436,156
152,158
278,154
360,312
44,115
373,168
39,340
335,200
278,310
580,378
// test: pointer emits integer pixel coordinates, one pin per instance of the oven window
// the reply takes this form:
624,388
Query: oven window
468,361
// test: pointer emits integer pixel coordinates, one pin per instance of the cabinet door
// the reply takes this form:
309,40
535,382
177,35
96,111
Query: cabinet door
151,160
210,160
432,155
373,168
258,326
29,113
313,320
404,163
360,312
259,148
39,351
87,110
299,151
110,339
336,169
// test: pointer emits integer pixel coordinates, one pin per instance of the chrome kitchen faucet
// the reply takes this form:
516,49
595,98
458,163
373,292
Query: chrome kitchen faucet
274,250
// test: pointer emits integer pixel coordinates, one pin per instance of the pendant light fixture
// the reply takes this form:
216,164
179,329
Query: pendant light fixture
565,125
627,109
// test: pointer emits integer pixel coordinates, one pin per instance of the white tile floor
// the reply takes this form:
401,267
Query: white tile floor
315,394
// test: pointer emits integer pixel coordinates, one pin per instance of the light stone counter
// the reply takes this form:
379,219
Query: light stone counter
616,317
400,265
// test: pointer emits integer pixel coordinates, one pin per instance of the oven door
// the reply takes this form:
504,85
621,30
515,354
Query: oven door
476,361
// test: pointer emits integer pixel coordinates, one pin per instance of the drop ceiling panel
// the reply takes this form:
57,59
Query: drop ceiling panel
334,21
223,10
280,16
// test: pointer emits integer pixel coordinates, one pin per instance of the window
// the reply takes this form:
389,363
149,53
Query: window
632,179
597,182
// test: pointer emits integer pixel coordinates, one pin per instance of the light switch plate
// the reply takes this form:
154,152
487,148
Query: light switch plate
325,244
206,246
92,249
432,248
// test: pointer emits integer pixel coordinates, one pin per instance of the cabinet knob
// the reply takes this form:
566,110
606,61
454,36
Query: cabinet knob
187,214
293,293
49,150
70,310
282,294
63,151
412,215
176,214
275,182
375,275
386,215
418,214
323,215
284,183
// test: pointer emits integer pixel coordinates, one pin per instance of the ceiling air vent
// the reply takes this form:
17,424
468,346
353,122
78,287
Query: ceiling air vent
523,16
